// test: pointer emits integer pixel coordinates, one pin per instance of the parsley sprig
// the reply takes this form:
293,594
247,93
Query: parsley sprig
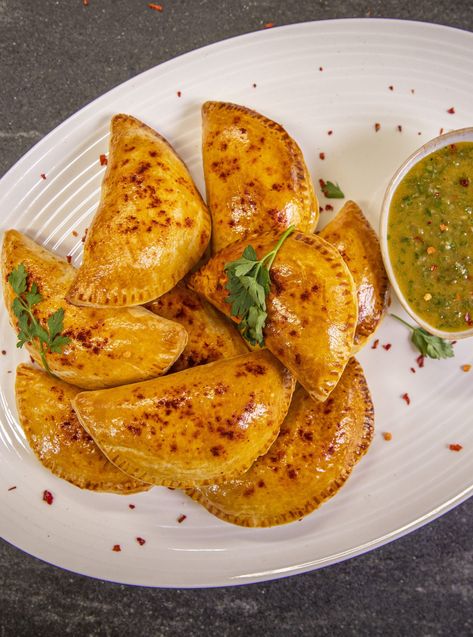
249,283
428,344
49,337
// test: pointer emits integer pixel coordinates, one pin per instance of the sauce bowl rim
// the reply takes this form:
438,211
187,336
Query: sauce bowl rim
457,135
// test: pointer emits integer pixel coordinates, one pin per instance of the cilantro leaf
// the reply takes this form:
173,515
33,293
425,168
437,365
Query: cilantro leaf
18,279
55,323
428,344
331,190
248,284
30,330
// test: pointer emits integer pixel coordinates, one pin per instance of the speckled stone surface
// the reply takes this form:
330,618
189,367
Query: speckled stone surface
55,56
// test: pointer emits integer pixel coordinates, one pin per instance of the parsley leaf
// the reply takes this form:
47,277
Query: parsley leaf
428,344
249,284
331,190
48,339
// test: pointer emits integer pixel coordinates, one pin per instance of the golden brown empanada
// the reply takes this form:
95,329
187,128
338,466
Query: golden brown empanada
59,440
312,306
107,347
255,175
199,426
211,336
351,233
151,226
315,452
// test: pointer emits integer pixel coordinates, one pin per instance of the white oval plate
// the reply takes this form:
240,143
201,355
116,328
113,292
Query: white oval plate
399,485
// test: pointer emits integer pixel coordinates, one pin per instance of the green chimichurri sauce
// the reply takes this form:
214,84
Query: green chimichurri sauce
430,237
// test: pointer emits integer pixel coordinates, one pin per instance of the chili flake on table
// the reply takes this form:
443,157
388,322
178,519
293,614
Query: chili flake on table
455,447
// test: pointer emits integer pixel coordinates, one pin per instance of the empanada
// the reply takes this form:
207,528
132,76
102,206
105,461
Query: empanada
151,225
351,233
315,452
312,306
199,426
59,440
255,175
211,336
107,347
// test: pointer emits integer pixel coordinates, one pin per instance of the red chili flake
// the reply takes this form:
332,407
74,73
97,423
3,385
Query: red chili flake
377,126
321,68
453,148
43,176
12,488
451,110
181,518
454,342
75,233
85,3
412,91
254,85
321,209
330,132
391,87
155,7
85,235
399,128
322,156
140,541
103,160
178,93
131,506
465,182
466,368
419,133
117,548
387,346
328,207
375,344
69,258
4,352
268,25
406,398
420,360
413,370
434,267
322,183
48,497
455,447
387,435
441,131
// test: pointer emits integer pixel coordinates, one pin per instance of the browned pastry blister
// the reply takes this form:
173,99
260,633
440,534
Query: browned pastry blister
107,347
351,233
199,426
314,454
211,336
255,175
312,305
58,439
151,226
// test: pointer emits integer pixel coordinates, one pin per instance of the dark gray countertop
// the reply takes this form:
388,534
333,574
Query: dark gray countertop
56,56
